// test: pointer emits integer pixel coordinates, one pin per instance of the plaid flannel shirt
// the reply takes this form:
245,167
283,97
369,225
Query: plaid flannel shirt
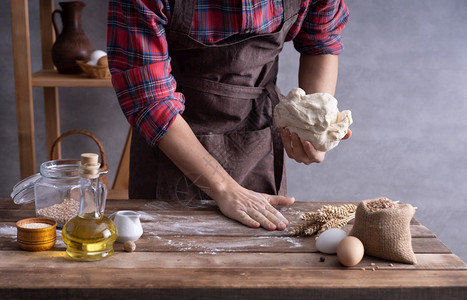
139,59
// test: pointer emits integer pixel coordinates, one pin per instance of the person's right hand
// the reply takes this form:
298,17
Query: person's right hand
236,202
253,209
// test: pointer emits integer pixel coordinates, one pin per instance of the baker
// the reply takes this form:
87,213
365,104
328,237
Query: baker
197,81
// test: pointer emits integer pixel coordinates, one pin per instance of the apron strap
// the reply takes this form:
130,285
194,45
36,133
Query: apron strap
291,8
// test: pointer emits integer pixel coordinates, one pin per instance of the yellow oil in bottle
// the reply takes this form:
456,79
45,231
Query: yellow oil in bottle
90,235
89,238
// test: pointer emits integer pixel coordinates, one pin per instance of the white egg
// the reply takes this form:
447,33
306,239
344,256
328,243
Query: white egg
92,62
328,240
95,56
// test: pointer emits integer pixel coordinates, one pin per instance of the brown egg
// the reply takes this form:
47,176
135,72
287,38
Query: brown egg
350,251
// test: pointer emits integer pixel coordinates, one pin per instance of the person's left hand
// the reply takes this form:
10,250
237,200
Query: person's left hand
303,152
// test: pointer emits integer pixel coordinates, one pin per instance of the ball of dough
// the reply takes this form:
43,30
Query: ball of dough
313,118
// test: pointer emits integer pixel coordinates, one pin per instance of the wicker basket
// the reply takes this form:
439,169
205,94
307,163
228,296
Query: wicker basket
104,167
94,71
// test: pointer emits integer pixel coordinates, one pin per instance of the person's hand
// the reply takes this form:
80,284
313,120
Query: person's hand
303,152
253,209
236,202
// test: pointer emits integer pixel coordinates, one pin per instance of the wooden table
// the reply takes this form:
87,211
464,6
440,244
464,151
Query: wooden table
189,250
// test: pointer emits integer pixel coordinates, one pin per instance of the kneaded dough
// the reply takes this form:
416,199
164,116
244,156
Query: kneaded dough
313,117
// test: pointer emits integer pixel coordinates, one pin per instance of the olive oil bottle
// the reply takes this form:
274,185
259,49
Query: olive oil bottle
90,235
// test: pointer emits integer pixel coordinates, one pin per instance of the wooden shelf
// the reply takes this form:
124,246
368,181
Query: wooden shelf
47,78
51,78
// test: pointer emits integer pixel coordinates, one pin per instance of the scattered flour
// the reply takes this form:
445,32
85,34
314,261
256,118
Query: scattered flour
8,230
60,243
158,204
146,217
295,242
213,246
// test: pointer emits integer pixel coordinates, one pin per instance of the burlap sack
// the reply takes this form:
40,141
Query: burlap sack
385,233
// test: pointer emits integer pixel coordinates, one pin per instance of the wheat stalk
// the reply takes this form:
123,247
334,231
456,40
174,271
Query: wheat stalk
327,217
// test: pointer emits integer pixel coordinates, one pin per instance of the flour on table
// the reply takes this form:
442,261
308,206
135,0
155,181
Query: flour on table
313,118
294,241
145,216
59,243
8,230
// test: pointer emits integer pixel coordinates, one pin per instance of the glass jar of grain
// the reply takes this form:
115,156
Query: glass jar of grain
55,190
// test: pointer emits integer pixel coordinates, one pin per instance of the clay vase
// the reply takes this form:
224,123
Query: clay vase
71,43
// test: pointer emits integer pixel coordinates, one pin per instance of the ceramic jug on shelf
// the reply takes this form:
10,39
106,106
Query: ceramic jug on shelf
128,225
71,43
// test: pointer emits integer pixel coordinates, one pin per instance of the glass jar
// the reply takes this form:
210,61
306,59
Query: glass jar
55,191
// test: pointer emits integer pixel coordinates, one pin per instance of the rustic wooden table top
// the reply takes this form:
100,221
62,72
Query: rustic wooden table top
189,250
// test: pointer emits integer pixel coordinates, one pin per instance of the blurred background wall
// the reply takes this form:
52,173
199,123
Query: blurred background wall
403,74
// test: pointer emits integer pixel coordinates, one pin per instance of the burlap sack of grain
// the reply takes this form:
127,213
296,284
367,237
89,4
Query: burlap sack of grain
385,233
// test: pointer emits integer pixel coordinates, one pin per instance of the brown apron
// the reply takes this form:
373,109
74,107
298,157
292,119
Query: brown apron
230,91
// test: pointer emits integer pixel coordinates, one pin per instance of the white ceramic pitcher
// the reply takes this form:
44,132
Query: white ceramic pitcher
128,225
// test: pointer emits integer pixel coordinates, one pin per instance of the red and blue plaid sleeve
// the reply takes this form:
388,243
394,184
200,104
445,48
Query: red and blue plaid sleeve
140,65
321,27
138,52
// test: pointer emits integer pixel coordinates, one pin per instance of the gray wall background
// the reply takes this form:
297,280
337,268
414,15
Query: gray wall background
403,74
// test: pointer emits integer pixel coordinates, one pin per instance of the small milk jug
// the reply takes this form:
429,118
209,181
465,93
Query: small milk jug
128,225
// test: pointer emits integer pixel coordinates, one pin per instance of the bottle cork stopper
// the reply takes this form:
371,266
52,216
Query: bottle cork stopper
89,158
89,167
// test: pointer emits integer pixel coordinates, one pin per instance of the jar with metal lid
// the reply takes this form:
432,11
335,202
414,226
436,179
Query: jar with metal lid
55,190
